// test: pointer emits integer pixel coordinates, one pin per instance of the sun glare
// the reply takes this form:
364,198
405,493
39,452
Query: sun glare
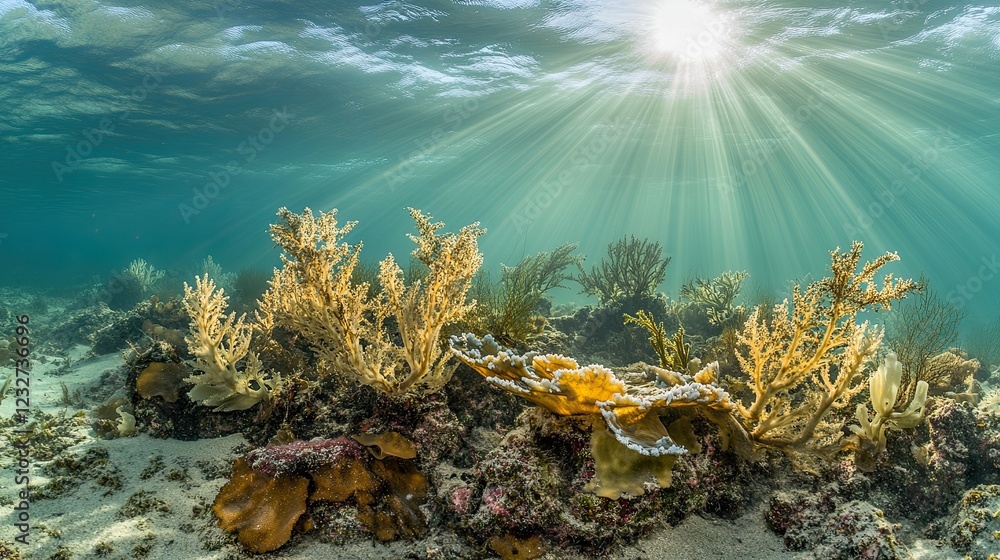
686,29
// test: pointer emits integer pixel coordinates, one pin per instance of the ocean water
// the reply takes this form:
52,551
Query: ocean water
740,135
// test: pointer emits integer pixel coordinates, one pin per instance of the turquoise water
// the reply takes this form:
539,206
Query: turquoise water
740,135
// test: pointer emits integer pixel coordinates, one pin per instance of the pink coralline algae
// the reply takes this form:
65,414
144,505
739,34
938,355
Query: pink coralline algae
300,457
461,499
494,500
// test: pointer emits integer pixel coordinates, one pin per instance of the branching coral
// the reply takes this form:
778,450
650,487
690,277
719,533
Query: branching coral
809,361
630,410
632,271
918,330
313,295
218,342
143,273
423,308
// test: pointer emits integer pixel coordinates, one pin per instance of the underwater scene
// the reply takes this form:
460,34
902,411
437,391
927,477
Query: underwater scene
515,279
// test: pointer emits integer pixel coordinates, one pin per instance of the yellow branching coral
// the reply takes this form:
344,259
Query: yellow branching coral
313,294
426,306
810,360
218,342
630,410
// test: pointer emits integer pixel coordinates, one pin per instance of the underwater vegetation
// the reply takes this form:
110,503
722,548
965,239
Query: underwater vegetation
673,353
131,285
630,273
512,311
218,342
791,360
919,331
388,404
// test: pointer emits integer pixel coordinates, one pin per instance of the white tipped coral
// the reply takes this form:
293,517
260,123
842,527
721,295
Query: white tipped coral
633,444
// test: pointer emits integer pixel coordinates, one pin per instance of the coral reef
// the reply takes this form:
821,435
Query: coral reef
160,365
629,410
809,361
955,448
977,530
355,441
533,484
884,385
313,295
832,528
